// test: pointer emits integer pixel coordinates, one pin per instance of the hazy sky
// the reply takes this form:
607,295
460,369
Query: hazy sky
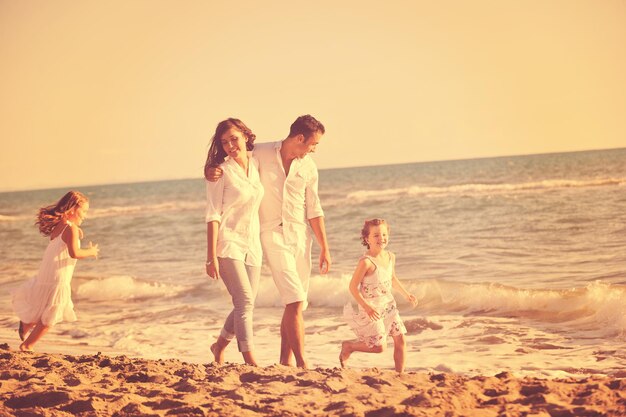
118,91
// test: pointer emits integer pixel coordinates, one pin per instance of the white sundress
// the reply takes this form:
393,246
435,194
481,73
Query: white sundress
376,289
47,297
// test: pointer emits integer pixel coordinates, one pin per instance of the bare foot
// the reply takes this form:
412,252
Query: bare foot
286,360
344,355
217,353
248,358
21,332
23,348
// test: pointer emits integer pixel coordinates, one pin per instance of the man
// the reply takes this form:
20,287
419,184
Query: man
291,200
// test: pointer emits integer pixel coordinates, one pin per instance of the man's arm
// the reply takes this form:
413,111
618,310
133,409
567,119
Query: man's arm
315,214
212,174
319,229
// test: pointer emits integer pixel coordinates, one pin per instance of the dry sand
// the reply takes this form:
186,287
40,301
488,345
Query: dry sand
39,384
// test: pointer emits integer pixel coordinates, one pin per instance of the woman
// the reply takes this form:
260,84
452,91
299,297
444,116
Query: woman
233,244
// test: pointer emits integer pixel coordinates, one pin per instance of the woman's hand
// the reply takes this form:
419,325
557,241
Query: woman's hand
371,312
213,269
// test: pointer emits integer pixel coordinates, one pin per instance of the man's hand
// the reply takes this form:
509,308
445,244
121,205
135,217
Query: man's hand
213,174
325,261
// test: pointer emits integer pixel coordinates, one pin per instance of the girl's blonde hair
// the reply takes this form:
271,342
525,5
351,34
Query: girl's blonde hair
365,232
48,217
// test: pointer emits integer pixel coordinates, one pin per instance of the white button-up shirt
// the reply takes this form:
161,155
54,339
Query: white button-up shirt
289,200
234,201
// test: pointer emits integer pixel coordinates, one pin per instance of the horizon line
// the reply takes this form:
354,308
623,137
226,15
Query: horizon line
147,181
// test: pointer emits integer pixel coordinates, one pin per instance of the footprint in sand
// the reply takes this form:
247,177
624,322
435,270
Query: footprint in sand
166,404
42,399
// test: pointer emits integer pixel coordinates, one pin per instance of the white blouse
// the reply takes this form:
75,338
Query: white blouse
233,201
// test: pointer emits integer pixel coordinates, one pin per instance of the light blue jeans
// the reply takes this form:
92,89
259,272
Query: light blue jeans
242,282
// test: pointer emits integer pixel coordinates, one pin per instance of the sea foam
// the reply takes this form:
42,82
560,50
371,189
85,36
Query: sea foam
600,306
324,291
477,189
164,207
6,218
124,288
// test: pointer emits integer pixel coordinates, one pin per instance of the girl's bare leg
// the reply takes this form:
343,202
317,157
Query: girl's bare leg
217,349
398,352
38,332
24,329
350,346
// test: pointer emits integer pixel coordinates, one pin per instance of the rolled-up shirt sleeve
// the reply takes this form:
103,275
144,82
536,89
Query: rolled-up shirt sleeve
214,200
312,199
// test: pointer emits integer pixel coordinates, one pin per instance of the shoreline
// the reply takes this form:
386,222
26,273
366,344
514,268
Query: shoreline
100,385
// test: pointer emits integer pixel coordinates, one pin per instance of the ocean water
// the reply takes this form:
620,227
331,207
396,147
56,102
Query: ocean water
518,263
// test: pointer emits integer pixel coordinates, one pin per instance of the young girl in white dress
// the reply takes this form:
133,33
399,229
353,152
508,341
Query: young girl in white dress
377,316
46,299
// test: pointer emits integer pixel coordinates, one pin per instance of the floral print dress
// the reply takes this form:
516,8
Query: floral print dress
376,290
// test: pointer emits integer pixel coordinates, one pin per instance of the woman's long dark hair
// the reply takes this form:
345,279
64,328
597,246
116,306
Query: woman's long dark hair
216,154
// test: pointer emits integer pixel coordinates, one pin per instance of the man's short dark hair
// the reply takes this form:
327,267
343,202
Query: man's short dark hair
306,125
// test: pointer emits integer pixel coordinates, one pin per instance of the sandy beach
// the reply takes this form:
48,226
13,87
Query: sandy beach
39,384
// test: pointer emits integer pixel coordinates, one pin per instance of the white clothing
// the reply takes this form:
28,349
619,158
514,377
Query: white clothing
47,297
290,266
233,201
376,289
289,202
242,282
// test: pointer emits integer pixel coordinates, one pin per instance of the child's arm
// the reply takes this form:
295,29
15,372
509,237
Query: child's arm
71,236
395,282
359,273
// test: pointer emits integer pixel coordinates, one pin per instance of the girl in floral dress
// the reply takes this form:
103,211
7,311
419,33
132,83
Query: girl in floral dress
377,316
